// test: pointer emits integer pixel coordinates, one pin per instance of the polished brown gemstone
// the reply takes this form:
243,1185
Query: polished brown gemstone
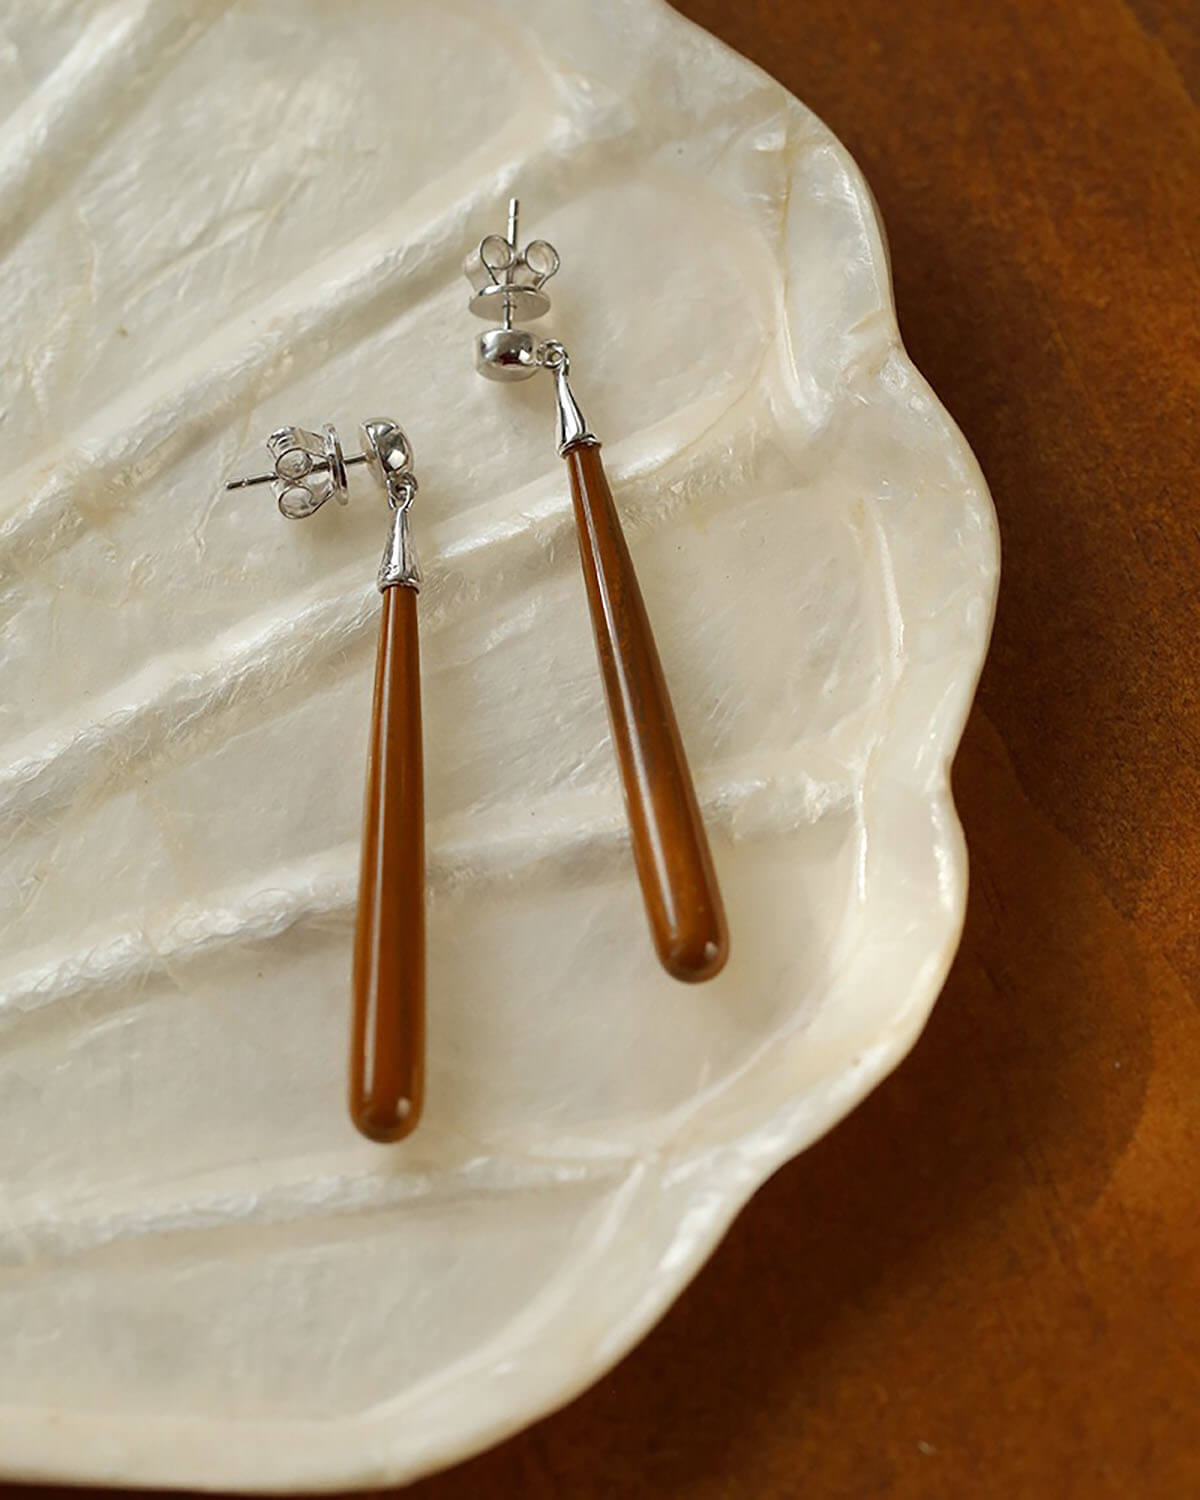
387,1054
670,847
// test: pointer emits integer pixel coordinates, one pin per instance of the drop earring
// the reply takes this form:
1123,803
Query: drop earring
387,1046
670,847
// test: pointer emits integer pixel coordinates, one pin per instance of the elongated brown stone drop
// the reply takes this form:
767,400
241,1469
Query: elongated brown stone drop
670,847
387,1054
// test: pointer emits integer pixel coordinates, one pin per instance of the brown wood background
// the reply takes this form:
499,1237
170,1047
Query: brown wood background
985,1285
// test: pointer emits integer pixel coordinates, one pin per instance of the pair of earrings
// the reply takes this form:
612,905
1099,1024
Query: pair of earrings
670,848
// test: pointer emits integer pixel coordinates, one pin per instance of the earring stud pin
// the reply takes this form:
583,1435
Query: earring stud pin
252,479
310,468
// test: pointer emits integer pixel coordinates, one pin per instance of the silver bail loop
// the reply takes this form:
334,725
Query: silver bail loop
573,430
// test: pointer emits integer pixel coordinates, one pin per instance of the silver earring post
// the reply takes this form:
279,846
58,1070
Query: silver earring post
310,468
244,484
508,284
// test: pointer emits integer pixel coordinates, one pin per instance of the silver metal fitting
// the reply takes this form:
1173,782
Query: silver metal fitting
508,285
400,567
506,354
310,468
389,455
573,430
508,282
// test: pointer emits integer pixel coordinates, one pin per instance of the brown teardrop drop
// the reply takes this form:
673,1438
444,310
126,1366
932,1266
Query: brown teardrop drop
387,1053
670,847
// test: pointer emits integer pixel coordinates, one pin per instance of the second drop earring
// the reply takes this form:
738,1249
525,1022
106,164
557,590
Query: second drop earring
670,847
387,1044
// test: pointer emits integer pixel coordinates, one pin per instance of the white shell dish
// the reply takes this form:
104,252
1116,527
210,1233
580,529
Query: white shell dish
221,218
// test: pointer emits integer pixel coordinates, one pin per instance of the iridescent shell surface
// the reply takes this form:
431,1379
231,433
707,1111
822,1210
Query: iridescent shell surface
221,218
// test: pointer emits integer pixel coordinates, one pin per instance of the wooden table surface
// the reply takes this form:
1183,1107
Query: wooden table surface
985,1285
